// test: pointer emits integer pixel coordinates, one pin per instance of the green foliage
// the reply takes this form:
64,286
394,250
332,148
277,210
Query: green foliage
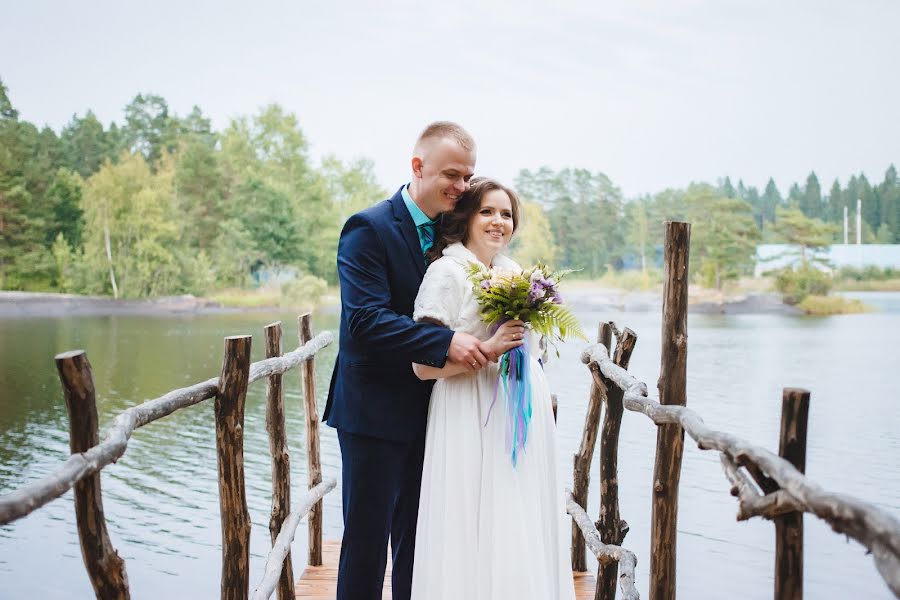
723,236
530,296
303,292
809,235
823,306
870,273
186,208
806,280
585,213
533,241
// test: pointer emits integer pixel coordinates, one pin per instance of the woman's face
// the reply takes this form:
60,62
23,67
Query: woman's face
491,226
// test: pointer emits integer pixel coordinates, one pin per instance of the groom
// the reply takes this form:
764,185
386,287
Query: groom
377,404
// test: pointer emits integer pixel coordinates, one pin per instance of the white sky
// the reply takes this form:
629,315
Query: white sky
654,94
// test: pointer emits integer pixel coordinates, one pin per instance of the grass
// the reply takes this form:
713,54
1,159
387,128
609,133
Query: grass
822,306
871,285
272,297
238,298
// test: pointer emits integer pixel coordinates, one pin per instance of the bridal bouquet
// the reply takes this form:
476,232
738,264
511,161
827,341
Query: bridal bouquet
531,296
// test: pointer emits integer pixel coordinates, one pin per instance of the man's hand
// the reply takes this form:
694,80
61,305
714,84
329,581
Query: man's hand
508,336
465,350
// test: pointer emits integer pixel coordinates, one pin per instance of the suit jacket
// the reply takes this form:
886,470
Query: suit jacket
380,266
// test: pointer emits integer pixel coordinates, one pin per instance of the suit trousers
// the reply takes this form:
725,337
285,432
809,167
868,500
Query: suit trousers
381,481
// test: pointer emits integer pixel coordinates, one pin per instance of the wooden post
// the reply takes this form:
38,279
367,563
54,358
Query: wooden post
312,444
281,459
611,527
672,391
105,567
582,460
229,411
789,527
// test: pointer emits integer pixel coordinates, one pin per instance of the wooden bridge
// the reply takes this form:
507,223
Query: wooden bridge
766,485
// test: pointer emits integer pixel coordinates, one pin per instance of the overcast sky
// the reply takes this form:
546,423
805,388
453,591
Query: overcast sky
654,94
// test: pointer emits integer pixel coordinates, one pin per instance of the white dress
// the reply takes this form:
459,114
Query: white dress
487,530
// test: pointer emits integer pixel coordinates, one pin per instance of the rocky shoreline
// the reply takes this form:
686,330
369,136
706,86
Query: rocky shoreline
27,304
612,300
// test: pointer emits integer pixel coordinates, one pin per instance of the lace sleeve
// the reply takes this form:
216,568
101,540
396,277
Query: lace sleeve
441,293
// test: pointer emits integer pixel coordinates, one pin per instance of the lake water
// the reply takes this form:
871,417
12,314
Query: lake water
161,498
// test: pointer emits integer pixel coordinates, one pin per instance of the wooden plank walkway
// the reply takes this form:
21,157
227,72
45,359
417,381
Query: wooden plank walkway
320,583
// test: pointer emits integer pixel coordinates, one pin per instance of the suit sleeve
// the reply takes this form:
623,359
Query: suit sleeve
366,297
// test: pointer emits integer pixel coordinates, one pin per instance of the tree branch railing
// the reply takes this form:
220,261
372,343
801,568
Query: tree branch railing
32,496
606,554
877,530
282,544
766,485
82,469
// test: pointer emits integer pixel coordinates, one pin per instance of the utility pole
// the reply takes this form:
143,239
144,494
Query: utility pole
845,224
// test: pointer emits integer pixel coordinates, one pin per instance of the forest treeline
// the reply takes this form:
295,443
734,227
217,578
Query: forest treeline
162,204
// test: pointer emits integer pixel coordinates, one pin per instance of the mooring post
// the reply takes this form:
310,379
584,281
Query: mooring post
789,527
229,409
281,458
105,567
582,460
610,525
672,391
314,465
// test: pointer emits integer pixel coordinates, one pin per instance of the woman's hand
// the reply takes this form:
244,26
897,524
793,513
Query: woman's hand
508,336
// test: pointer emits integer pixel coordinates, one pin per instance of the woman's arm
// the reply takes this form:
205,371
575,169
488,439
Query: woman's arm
424,372
508,336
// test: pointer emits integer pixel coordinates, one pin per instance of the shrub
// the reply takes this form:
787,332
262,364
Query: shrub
305,291
796,284
831,305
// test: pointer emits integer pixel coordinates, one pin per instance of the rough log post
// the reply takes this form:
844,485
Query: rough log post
105,567
314,466
229,410
789,527
281,460
582,460
672,391
611,527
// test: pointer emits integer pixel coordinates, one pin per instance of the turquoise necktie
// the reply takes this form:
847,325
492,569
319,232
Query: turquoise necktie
427,235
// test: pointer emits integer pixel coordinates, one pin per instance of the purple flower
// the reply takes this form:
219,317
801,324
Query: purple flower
536,292
556,297
486,284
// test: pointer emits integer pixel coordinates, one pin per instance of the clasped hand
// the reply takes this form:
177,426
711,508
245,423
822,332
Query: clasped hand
468,350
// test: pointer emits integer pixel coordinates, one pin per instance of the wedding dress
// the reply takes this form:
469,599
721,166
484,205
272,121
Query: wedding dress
487,529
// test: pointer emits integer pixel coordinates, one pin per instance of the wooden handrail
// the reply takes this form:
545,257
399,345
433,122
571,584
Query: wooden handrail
35,494
282,545
876,529
605,553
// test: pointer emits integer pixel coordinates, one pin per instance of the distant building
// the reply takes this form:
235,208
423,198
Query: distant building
770,257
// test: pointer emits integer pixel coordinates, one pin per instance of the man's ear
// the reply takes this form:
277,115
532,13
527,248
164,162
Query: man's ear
417,166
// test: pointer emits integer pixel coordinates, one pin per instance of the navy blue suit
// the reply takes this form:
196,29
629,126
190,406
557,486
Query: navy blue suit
375,401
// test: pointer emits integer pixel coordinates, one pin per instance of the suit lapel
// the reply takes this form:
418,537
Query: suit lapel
404,222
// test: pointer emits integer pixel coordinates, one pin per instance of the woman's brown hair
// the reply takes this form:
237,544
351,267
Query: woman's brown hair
454,225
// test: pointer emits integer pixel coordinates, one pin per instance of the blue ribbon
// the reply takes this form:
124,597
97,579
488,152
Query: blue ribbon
513,379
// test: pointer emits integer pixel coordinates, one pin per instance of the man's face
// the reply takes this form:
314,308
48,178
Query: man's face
443,169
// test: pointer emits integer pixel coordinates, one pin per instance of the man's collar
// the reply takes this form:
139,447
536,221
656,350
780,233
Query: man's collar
418,217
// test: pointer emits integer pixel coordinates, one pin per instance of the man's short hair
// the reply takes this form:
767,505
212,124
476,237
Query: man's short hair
447,129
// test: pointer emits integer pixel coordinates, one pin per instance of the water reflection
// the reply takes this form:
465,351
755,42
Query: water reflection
161,498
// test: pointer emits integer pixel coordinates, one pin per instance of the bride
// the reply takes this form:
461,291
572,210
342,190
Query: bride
488,529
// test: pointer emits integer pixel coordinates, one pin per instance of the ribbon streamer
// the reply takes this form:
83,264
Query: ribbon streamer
514,380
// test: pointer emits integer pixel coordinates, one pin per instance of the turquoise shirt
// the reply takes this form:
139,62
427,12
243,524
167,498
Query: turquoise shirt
420,219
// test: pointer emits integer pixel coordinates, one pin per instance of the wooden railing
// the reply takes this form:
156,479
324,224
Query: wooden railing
81,470
766,485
